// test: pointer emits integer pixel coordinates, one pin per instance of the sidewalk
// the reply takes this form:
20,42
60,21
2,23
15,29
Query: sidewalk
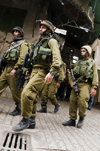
50,134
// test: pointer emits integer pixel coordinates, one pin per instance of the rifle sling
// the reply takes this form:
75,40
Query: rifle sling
15,45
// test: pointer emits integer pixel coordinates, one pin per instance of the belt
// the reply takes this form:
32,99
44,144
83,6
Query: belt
84,82
11,64
39,68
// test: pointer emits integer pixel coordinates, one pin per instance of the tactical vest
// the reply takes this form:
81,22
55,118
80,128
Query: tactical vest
81,67
42,52
13,54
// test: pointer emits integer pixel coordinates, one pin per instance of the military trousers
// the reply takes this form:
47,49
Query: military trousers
49,93
30,93
79,102
6,80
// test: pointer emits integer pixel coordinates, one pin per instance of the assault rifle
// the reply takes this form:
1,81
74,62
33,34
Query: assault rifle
26,66
21,78
2,64
75,84
22,72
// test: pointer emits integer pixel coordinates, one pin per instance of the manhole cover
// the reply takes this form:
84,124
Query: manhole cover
15,142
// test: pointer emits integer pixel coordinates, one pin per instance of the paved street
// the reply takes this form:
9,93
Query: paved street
50,134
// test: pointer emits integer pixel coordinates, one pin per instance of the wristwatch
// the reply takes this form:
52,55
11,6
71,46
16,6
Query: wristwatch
51,73
15,68
59,82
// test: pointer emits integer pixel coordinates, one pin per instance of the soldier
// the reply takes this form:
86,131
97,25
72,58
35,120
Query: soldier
46,50
13,58
85,72
50,90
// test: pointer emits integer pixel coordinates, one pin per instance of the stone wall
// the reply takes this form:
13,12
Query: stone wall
36,9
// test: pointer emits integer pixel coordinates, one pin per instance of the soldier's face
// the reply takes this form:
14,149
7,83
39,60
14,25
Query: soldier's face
83,52
16,33
43,28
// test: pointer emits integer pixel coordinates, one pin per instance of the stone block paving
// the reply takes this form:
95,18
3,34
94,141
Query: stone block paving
50,134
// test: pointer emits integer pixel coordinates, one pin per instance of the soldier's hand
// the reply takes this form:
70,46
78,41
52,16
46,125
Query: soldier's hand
12,72
48,78
72,84
2,71
58,85
27,73
93,92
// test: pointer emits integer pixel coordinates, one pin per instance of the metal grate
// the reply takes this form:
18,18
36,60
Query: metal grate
15,142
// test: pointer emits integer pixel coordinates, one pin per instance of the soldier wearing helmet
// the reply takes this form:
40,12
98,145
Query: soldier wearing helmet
46,55
19,29
86,75
49,26
13,58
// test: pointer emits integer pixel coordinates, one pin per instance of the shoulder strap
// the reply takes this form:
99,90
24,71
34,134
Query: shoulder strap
90,66
15,45
47,38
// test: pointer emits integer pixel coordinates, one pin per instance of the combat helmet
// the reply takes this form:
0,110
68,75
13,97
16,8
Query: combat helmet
19,29
48,24
88,48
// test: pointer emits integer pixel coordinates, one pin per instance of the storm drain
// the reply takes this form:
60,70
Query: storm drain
15,142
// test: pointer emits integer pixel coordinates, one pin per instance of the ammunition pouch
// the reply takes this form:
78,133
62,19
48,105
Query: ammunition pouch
42,54
12,55
81,69
89,75
76,71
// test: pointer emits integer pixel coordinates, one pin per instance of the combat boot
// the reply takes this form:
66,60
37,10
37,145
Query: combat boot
23,124
43,109
80,122
32,123
15,112
56,107
69,123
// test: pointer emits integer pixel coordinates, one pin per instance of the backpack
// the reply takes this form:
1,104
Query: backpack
60,38
63,66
